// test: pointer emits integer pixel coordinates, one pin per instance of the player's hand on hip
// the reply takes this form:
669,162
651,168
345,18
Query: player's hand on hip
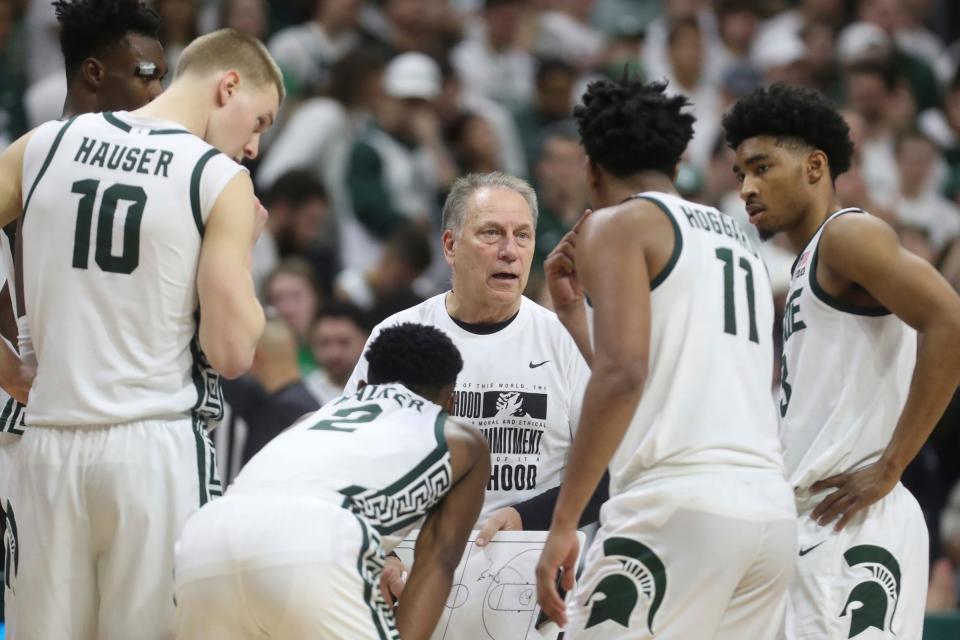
506,519
853,492
393,579
16,376
561,271
559,554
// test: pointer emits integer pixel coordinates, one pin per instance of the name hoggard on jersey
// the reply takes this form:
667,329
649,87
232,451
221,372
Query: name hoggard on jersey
718,223
512,417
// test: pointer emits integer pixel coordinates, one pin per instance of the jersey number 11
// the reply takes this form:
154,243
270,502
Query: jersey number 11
729,309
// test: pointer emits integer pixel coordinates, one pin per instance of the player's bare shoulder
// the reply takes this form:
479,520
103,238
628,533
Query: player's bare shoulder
466,444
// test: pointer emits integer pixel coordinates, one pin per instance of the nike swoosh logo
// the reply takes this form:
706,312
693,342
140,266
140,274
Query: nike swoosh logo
534,366
804,552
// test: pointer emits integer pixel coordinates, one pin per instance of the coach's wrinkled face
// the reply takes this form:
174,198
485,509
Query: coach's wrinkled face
492,252
774,177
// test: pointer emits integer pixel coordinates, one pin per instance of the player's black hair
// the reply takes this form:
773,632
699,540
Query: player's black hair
88,28
627,126
793,115
420,357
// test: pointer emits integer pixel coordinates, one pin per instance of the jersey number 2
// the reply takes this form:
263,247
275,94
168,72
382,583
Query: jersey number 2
129,258
350,415
729,309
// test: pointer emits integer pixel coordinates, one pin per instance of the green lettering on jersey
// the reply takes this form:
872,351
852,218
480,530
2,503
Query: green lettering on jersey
129,258
791,316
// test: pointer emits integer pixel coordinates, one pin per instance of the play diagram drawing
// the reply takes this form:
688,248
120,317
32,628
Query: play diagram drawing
494,594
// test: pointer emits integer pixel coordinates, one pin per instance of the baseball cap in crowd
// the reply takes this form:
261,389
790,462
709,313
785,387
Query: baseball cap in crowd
412,75
862,41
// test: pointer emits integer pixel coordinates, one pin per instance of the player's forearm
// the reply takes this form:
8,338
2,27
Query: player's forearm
230,329
608,406
934,382
574,319
424,597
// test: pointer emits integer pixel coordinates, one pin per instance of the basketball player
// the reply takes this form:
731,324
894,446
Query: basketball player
159,226
698,537
859,393
294,549
113,61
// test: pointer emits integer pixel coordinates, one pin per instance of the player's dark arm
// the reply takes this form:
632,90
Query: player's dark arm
444,535
610,261
8,317
12,375
231,318
865,251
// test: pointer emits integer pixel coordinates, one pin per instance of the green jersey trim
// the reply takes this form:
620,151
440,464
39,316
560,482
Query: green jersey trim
677,243
46,164
117,122
406,481
123,126
369,569
195,188
830,300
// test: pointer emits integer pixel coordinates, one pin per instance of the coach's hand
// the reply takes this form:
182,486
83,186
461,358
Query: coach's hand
393,579
854,492
559,554
506,519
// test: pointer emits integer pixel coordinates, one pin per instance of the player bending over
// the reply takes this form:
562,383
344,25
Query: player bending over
295,550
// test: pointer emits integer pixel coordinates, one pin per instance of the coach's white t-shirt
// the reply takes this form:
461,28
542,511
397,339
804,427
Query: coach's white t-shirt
521,386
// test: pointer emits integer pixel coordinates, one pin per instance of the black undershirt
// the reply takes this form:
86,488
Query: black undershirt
484,329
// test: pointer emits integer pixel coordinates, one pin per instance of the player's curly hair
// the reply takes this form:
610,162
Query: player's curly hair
91,27
628,126
420,357
793,115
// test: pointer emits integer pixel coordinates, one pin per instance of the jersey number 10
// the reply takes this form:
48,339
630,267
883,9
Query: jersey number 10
128,260
729,309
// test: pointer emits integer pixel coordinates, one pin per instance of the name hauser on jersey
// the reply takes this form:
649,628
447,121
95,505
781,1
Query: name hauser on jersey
513,422
123,157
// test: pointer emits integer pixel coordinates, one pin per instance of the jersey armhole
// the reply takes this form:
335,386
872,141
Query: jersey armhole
46,163
826,298
657,280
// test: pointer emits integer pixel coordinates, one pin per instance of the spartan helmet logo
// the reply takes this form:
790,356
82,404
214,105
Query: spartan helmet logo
873,601
616,595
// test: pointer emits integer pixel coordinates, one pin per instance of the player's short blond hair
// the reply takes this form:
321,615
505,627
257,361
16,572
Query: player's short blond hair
231,49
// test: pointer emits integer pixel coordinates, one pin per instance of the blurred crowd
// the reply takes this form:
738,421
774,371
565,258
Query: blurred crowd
391,100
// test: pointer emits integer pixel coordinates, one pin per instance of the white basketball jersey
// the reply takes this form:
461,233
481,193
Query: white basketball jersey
845,375
706,402
114,213
521,386
383,449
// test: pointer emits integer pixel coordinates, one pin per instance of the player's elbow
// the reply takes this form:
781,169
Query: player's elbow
230,351
621,375
230,361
